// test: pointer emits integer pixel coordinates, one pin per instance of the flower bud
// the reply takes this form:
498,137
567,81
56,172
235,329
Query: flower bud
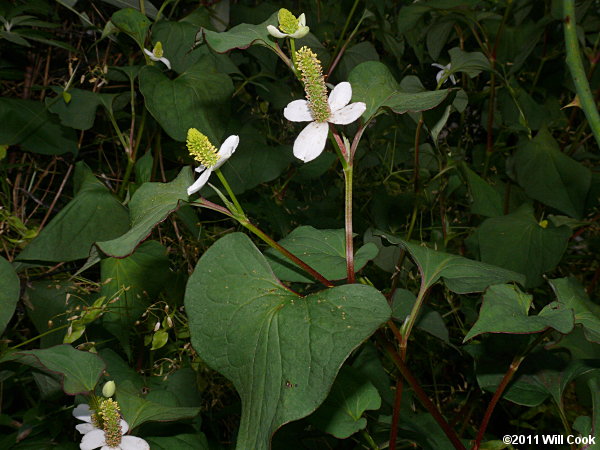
109,388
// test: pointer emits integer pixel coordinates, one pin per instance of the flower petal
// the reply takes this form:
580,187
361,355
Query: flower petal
340,96
166,62
133,443
301,20
311,141
199,183
83,412
124,426
226,150
275,32
85,428
348,114
453,79
439,66
439,76
300,32
298,111
92,440
149,53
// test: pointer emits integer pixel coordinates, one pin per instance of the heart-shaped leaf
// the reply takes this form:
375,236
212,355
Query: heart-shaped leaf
351,395
281,351
461,275
79,370
198,98
133,23
242,36
137,410
71,233
518,242
373,83
550,176
323,250
9,292
571,293
505,309
150,205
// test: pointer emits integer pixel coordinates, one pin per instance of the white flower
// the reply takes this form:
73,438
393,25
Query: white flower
157,55
95,437
311,141
224,153
444,73
287,23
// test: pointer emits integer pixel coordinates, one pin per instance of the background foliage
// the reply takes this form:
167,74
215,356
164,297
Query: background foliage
109,271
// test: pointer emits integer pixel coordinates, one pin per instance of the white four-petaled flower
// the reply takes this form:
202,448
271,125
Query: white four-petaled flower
311,141
95,437
225,152
157,55
444,73
299,33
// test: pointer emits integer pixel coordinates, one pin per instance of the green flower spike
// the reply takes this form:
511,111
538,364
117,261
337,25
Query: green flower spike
111,421
314,84
157,55
201,149
289,26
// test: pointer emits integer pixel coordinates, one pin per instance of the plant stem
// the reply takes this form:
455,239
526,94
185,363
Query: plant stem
230,192
421,395
582,86
512,369
254,229
348,221
40,336
369,439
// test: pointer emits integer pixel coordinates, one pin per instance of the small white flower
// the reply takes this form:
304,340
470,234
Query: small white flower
444,73
95,437
287,23
157,55
311,141
225,151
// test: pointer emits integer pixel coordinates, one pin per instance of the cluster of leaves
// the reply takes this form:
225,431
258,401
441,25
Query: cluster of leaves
110,271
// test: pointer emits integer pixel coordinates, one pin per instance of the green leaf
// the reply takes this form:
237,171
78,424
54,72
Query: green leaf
198,98
150,205
505,309
80,112
137,410
179,442
486,200
9,292
373,83
177,39
571,294
27,123
134,281
323,250
79,370
461,275
341,414
133,23
517,242
150,9
71,233
242,36
471,63
550,176
280,350
254,161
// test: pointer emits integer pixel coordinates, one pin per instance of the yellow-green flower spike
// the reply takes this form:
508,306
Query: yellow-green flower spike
201,149
111,422
544,223
288,23
158,50
314,84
